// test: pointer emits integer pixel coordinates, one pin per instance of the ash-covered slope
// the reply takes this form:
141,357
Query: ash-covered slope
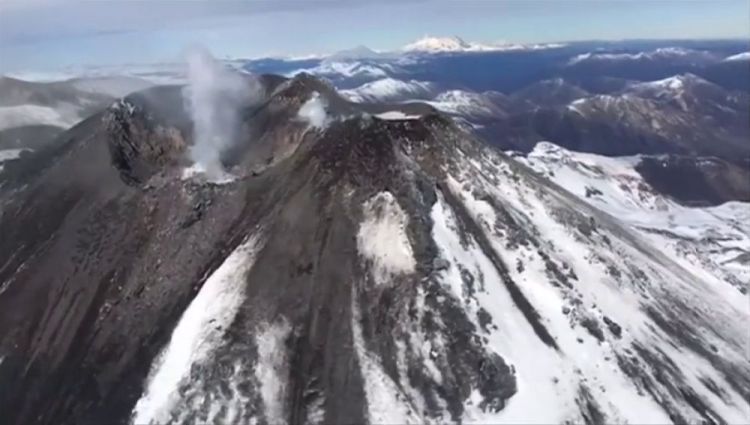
354,269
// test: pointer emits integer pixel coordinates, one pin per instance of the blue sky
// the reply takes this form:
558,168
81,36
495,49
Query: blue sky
51,34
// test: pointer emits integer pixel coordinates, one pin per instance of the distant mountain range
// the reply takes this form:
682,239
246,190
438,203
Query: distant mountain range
684,98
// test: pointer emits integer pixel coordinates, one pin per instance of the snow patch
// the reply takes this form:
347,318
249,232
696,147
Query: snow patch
8,154
272,370
386,404
703,240
396,115
382,238
347,69
675,84
316,411
198,333
386,89
744,56
465,103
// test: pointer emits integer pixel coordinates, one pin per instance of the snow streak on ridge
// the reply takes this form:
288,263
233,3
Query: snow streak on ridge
615,305
382,238
197,334
273,369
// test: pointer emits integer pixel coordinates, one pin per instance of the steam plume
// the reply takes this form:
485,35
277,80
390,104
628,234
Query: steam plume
215,95
314,111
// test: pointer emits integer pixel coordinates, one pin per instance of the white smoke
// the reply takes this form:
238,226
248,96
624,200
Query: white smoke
314,111
215,96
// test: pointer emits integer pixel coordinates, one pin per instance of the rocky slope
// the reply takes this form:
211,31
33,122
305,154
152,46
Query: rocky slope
379,265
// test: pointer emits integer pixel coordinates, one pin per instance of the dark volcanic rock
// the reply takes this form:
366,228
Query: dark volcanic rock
140,149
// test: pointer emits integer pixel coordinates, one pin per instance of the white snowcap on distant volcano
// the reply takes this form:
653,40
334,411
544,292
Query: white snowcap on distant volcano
429,44
441,44
744,56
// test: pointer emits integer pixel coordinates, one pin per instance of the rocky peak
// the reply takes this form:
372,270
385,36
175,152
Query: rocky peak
140,145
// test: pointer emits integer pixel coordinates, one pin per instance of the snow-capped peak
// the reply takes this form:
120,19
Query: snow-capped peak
430,44
388,89
676,83
660,53
441,44
465,103
744,56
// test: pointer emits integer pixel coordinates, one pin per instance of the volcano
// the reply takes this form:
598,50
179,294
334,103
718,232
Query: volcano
383,267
